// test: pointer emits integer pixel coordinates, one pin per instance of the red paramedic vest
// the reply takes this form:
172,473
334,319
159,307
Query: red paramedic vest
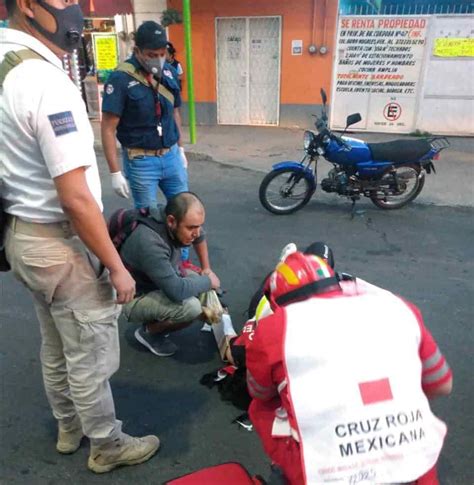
354,383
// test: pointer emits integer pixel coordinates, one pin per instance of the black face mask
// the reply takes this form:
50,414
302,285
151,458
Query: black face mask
69,26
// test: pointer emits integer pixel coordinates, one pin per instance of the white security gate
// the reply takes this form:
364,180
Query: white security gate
447,105
248,70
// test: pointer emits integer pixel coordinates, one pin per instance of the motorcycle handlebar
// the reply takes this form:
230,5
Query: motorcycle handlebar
323,131
321,122
320,125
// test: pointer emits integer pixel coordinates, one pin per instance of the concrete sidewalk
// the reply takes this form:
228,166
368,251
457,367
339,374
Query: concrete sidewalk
257,148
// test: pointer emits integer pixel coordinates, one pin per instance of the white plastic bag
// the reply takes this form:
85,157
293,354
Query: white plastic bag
223,333
212,307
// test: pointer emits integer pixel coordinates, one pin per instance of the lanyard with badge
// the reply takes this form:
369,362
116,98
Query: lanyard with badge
155,85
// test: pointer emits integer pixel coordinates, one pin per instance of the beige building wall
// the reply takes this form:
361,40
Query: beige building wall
148,10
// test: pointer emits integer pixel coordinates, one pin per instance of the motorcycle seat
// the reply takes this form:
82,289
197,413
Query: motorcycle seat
400,151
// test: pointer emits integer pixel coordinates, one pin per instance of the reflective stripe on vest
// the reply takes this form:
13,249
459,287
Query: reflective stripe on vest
137,74
15,58
263,309
354,378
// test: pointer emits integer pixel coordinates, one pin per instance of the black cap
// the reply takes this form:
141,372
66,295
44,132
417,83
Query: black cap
170,48
150,35
322,250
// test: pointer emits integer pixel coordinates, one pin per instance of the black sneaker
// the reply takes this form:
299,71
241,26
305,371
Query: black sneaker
157,343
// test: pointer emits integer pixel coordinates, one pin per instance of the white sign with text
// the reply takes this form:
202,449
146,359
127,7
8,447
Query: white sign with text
377,73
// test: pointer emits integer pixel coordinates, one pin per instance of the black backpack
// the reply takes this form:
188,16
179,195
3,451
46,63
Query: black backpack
124,221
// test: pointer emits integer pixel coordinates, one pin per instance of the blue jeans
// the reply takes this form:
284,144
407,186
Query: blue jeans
146,174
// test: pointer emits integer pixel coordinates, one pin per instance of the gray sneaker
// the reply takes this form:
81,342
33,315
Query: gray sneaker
157,343
123,451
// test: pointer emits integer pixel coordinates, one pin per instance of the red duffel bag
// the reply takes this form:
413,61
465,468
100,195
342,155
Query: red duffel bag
227,473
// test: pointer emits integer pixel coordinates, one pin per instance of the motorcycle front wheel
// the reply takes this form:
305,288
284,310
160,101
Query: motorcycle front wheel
398,187
285,191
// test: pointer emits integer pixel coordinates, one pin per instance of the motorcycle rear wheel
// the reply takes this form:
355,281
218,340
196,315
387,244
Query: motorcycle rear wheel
285,191
412,180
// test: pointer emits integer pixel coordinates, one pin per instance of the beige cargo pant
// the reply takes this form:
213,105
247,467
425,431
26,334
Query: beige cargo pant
74,302
157,306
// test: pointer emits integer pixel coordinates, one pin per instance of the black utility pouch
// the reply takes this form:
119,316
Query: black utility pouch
4,264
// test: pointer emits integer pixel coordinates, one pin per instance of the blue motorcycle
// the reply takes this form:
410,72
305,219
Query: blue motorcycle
391,174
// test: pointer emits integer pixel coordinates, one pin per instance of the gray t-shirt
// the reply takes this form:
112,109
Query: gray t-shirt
154,259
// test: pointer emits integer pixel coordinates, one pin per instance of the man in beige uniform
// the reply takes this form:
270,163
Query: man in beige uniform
56,238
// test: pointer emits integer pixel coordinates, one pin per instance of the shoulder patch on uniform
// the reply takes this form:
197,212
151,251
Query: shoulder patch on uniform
168,73
109,89
132,83
62,123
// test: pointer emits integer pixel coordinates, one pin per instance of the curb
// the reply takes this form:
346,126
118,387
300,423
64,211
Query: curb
201,157
194,156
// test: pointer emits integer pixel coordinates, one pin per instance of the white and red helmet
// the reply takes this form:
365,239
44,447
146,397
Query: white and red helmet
300,271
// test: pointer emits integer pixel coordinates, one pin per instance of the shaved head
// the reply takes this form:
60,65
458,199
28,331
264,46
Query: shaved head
179,205
185,216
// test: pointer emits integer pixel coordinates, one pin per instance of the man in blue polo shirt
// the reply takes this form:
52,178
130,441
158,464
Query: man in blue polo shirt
140,107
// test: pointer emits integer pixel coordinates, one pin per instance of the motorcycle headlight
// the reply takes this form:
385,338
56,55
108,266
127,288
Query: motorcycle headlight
307,139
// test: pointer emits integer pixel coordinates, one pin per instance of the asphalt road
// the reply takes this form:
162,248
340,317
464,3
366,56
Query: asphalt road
424,253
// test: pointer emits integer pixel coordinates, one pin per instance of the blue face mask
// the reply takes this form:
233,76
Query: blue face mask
69,26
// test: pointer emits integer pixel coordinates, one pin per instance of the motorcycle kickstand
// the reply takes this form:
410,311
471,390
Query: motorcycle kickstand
354,200
353,209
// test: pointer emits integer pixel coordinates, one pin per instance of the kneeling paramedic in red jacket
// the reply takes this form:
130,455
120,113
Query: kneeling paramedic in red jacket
340,381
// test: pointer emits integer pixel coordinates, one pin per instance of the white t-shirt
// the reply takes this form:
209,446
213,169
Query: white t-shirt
44,133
